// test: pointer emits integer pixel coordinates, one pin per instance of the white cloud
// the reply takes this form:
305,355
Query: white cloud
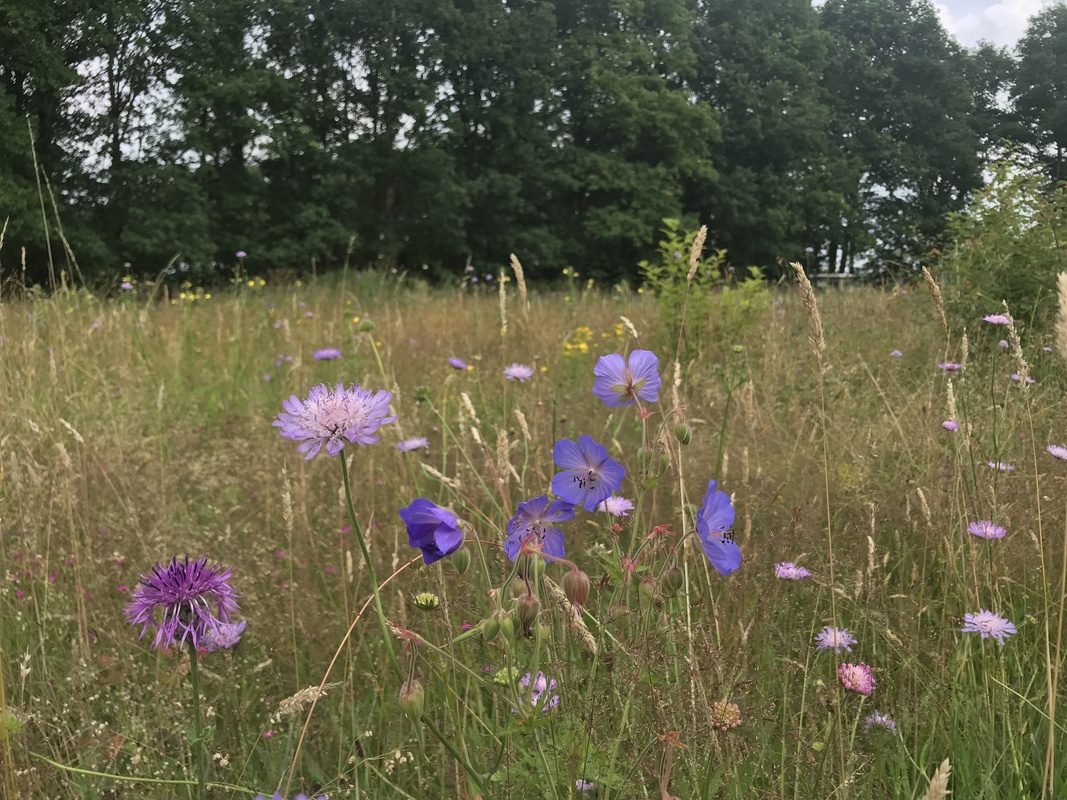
1002,23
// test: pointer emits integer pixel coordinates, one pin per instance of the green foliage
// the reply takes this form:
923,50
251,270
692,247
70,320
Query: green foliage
1008,246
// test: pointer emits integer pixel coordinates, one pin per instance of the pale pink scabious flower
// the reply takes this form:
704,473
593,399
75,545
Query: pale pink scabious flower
616,506
879,720
997,319
950,366
334,417
989,625
1003,344
857,678
1015,376
788,571
518,372
834,639
1000,466
984,529
950,425
897,354
408,445
1056,451
326,354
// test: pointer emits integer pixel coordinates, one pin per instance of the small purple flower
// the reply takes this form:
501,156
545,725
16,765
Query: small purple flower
809,249
457,363
333,417
326,354
178,599
1015,376
518,372
896,354
622,382
714,520
950,366
589,474
488,277
834,639
870,231
857,678
1000,466
537,518
997,319
540,689
988,625
1047,349
278,795
223,635
126,286
879,720
789,571
1003,344
432,529
1056,451
241,254
984,529
584,787
950,425
408,445
268,378
616,506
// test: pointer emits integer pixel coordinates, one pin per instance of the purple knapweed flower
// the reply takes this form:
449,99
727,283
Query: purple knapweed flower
518,372
789,571
622,382
1056,451
997,319
333,417
1000,466
896,354
856,678
223,635
984,529
879,720
457,363
432,529
541,688
834,639
408,445
950,425
989,625
537,519
589,473
326,354
950,366
616,506
182,601
714,520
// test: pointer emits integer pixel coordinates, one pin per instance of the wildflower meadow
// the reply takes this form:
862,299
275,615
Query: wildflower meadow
361,537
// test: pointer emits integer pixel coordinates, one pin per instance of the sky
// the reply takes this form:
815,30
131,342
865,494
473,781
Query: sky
1001,22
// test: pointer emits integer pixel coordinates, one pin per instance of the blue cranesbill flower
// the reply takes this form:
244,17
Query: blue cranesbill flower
537,518
589,474
623,381
714,521
432,529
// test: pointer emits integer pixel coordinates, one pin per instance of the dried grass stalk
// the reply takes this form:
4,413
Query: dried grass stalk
520,279
939,783
694,254
1061,316
807,293
939,302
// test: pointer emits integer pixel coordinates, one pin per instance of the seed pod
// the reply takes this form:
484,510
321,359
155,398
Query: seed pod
672,579
507,627
576,587
490,628
461,559
683,433
412,698
527,609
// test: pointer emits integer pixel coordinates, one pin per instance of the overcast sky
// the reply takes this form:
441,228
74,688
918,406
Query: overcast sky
1002,22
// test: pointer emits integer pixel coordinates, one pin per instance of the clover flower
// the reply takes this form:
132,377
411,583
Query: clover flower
334,417
989,625
984,529
789,571
856,678
834,639
182,601
535,519
589,475
714,520
432,529
518,372
622,382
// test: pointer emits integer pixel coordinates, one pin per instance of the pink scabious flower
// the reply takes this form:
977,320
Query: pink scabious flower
788,571
1056,451
950,425
408,445
126,286
879,720
1015,376
518,372
326,354
989,625
834,639
1003,344
896,354
1000,466
984,529
616,506
457,363
224,636
334,417
950,366
997,319
857,678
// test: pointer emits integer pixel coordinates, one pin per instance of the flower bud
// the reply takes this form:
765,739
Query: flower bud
10,724
683,433
507,627
422,394
427,601
461,559
366,326
576,587
518,589
412,698
526,609
672,579
490,628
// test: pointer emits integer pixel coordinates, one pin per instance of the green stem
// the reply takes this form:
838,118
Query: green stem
198,727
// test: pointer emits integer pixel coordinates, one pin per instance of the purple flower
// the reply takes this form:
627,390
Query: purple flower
224,635
1000,466
279,796
789,571
126,286
178,599
589,474
896,354
1003,344
809,249
857,678
622,382
332,417
241,254
1015,376
488,277
985,529
518,372
834,639
408,445
879,720
432,529
950,366
616,506
950,425
540,689
714,520
536,518
988,625
584,787
997,319
327,354
870,231
1056,451
457,363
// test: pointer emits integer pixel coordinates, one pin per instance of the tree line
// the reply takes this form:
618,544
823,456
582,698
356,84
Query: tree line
428,134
